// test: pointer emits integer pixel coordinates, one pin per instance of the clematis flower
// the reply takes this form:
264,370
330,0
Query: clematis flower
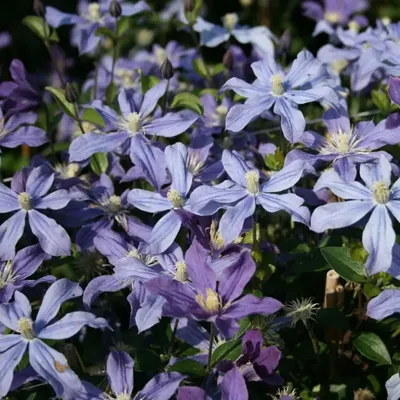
394,90
212,35
346,146
167,228
232,386
131,128
283,91
14,273
18,129
21,94
51,365
5,39
335,12
208,300
28,199
91,17
377,197
243,192
120,378
256,363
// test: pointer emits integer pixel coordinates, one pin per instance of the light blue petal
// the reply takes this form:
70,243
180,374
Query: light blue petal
393,387
120,372
385,304
8,200
235,166
292,120
172,124
176,159
151,98
150,312
148,201
243,88
161,387
56,18
10,232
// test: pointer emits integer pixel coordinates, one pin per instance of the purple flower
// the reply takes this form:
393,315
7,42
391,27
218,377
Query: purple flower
120,378
51,365
377,197
91,17
14,274
167,228
394,90
208,300
18,129
5,39
232,386
243,192
346,146
285,92
212,35
335,12
131,128
27,198
21,94
256,362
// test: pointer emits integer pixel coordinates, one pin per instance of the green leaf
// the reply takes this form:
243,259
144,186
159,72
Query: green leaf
31,396
124,25
147,360
59,97
189,367
106,32
339,259
40,28
217,69
372,347
99,163
111,93
192,16
188,101
275,161
148,82
200,67
381,100
227,351
91,115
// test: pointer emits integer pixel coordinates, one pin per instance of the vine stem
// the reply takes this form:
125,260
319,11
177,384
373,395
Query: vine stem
78,119
55,64
171,346
165,103
210,349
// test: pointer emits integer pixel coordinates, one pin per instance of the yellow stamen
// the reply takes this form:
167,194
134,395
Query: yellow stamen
175,198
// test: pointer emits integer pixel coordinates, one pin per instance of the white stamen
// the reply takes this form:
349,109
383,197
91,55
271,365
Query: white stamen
277,84
381,192
7,275
25,200
252,178
230,21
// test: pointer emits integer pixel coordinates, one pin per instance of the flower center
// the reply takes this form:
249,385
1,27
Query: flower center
230,20
341,142
175,198
332,17
121,396
25,200
133,122
381,192
126,77
220,115
211,303
252,178
194,164
114,204
338,66
215,237
7,275
354,26
94,12
146,259
160,55
277,84
25,326
181,273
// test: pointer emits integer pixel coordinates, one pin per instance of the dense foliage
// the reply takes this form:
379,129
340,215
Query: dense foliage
201,206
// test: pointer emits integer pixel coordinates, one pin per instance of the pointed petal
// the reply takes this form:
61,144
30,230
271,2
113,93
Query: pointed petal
52,237
385,304
150,312
10,232
148,201
233,386
235,166
161,387
133,9
58,293
8,200
292,120
28,135
242,88
176,159
83,147
28,260
10,313
151,98
339,215
56,18
172,124
378,239
250,305
120,372
54,201
345,168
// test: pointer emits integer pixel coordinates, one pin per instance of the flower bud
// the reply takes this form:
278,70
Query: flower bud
167,70
115,9
227,60
38,8
189,5
71,95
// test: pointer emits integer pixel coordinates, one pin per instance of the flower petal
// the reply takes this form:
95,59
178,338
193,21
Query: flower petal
161,387
10,232
8,200
120,372
233,386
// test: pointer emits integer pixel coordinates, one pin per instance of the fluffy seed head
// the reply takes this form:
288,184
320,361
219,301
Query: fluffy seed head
301,310
381,192
25,200
25,326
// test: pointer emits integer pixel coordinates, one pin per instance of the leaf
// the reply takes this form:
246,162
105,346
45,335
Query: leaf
148,82
188,367
107,32
339,259
381,100
111,93
59,97
227,351
218,69
200,67
99,163
40,28
372,347
188,101
147,360
192,16
91,115
275,161
124,25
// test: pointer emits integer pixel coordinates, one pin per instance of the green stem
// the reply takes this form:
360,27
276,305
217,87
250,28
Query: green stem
55,64
171,346
210,349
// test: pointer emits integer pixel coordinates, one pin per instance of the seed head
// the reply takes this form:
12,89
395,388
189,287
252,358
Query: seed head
301,310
